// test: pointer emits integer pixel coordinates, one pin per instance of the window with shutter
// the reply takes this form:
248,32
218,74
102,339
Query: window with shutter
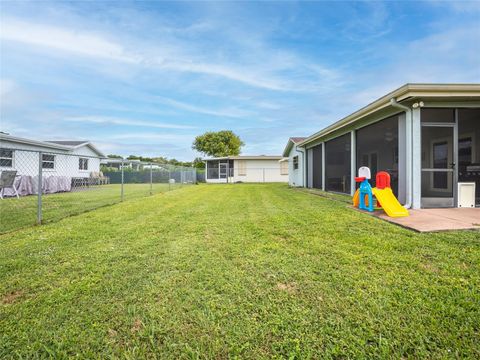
242,167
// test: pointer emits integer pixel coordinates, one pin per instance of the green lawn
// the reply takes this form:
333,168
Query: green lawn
19,213
248,271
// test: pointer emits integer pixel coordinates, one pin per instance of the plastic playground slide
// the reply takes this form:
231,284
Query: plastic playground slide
383,193
389,202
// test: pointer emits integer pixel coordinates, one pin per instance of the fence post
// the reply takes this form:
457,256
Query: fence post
39,189
151,179
263,174
169,176
121,191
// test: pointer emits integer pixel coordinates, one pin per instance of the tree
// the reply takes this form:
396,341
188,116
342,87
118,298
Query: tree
160,159
113,156
198,163
141,158
220,143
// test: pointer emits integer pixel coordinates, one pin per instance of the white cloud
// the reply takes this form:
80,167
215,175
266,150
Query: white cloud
152,137
229,72
168,54
128,122
229,112
80,42
6,86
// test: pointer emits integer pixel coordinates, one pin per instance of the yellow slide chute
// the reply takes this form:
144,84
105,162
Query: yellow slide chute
389,202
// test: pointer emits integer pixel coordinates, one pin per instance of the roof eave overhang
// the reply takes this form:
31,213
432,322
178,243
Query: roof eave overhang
91,146
288,148
35,143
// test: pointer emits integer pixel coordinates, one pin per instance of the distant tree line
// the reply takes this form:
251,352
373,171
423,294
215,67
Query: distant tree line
197,162
215,144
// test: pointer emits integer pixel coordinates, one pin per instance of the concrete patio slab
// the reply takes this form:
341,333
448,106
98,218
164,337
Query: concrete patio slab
428,220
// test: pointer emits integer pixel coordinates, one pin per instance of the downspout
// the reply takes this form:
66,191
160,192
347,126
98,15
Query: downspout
409,149
304,167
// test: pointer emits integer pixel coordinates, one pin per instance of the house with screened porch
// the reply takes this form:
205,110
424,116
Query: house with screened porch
426,136
234,169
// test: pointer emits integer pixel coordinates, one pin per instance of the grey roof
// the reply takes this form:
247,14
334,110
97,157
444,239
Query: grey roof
68,145
68,142
294,140
297,139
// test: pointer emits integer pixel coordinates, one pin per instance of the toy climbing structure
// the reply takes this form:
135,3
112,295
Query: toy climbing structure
363,197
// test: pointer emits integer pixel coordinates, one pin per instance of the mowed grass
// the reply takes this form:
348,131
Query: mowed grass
18,213
248,271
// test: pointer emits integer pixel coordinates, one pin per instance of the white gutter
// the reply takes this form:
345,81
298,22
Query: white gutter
409,146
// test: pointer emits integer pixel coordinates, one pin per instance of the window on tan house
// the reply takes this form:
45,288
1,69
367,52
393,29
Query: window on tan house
284,168
242,167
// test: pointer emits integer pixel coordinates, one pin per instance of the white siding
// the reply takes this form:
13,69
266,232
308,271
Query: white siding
295,176
259,171
254,170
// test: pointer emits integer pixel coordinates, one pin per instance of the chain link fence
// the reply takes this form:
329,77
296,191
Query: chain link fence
38,187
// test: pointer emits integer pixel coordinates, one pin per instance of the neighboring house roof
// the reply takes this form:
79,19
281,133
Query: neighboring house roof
292,141
403,93
68,142
247,157
75,144
54,145
297,140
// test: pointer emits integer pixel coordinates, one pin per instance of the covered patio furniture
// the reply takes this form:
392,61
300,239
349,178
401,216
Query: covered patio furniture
97,178
7,181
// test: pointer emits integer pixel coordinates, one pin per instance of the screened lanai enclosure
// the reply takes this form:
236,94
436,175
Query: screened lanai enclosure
219,169
428,141
315,163
337,159
246,168
337,165
377,148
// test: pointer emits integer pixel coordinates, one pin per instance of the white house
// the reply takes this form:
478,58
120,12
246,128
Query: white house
74,159
294,157
233,169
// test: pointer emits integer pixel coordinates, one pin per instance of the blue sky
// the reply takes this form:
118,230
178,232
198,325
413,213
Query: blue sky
147,77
